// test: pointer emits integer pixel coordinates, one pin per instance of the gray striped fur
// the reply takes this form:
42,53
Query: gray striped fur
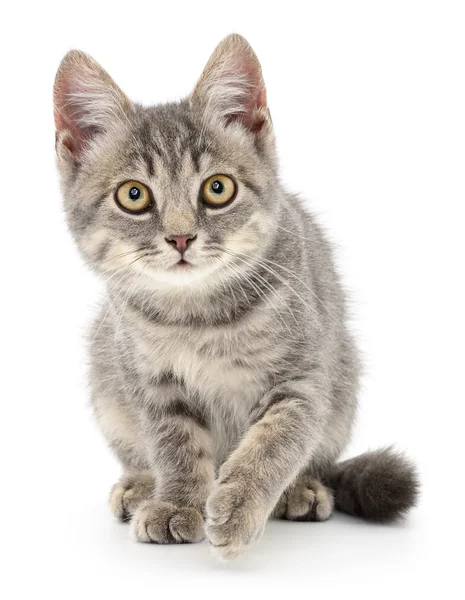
227,391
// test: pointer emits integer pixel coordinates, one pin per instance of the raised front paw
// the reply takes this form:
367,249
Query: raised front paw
235,518
165,523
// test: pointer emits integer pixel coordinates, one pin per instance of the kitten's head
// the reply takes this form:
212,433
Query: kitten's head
181,194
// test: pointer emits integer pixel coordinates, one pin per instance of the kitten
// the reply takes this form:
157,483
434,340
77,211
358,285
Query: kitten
223,375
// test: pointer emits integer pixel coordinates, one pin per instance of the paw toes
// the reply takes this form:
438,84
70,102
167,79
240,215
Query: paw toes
165,523
307,501
187,526
116,502
222,504
300,503
234,520
129,493
324,505
227,552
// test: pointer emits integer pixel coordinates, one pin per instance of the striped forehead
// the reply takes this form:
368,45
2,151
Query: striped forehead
168,139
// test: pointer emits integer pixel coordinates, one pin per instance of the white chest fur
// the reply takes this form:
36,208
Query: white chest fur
227,369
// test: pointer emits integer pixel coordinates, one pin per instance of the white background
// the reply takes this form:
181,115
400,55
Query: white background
368,102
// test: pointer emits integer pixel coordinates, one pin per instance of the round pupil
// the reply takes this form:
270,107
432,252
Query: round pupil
217,187
134,193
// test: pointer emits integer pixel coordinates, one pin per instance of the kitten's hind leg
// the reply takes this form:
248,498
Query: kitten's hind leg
305,500
130,492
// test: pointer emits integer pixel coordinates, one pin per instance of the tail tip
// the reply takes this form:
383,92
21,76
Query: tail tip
380,486
392,486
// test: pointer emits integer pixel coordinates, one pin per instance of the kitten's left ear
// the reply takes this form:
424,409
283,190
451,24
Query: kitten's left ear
231,86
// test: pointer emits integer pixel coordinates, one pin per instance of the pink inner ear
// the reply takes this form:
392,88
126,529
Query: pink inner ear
253,104
250,117
73,138
68,115
258,119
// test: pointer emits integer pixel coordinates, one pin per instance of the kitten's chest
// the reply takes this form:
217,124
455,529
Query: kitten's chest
213,364
227,370
232,365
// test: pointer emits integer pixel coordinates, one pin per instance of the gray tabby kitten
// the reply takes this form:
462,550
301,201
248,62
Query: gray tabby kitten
223,375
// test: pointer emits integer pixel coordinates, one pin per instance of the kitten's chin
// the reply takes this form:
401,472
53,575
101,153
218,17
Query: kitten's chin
182,274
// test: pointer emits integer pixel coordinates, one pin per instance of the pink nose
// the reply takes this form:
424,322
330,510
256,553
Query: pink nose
180,242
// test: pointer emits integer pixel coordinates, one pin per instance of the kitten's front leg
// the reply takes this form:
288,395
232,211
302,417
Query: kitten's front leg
269,457
180,449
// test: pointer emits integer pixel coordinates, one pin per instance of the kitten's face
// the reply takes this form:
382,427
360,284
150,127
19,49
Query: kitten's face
176,195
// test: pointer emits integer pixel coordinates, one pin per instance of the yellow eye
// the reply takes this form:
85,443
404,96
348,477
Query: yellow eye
218,191
133,196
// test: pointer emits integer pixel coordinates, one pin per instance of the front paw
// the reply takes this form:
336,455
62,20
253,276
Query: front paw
165,523
129,493
235,518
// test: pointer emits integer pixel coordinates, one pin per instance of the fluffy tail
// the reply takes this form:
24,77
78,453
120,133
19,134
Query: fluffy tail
379,486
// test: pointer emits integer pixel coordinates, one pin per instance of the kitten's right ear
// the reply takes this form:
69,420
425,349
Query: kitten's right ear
86,102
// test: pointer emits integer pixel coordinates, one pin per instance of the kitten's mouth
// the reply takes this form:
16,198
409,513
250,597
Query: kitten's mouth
182,265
